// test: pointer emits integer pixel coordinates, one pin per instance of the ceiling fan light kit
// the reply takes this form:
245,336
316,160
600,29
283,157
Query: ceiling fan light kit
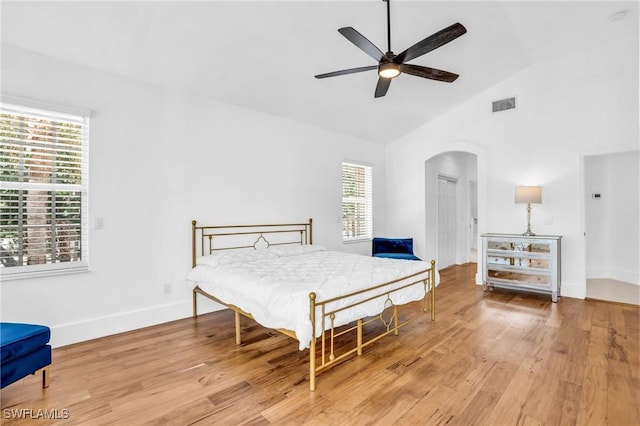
391,65
388,70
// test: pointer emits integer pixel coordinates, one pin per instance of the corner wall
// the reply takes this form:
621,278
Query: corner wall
565,108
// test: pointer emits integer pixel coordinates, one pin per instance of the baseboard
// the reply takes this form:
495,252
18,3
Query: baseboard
93,328
573,290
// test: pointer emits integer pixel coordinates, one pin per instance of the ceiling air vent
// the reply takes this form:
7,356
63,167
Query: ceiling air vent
504,104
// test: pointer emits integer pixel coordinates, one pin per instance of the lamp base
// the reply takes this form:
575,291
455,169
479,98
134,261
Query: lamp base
528,233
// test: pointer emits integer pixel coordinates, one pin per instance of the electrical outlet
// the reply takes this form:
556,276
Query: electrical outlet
98,222
166,289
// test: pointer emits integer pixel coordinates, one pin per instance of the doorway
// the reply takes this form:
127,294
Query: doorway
612,217
449,223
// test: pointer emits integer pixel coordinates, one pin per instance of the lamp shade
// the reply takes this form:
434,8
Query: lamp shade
528,194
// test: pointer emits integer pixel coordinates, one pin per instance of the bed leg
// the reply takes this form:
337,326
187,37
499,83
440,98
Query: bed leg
238,338
312,365
195,304
312,344
359,337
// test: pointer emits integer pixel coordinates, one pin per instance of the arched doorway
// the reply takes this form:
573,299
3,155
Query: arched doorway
451,207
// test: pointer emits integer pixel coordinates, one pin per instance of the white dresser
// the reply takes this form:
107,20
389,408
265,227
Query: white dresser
514,261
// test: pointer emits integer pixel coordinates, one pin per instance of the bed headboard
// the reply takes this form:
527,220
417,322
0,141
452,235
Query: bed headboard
207,239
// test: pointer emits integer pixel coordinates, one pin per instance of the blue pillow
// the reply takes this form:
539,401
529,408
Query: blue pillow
397,248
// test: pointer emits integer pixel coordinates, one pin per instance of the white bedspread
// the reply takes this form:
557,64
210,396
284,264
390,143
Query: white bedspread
274,284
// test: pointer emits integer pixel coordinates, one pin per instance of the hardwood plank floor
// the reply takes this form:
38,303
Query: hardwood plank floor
497,358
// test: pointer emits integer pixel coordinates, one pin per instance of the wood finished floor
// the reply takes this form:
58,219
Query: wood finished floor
499,358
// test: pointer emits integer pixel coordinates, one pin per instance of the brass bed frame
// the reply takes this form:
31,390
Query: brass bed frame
246,236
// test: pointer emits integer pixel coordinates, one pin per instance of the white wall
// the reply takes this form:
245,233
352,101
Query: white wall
565,108
158,160
612,222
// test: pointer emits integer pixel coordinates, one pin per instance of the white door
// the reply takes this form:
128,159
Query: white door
446,222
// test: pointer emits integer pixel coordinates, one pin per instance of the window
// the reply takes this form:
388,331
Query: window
43,191
357,202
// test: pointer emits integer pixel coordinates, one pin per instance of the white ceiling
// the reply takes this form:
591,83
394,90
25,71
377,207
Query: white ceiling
263,55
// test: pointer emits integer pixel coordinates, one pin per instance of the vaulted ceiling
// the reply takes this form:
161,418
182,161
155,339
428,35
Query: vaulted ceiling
263,55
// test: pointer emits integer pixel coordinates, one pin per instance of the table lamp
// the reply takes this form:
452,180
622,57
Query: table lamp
528,195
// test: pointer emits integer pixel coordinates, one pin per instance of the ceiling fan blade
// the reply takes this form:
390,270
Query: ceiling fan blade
430,43
382,87
430,73
362,43
345,72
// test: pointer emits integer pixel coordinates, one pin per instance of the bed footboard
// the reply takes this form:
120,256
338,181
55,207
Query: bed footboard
320,310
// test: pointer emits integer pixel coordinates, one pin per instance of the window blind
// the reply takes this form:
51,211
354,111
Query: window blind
357,202
43,191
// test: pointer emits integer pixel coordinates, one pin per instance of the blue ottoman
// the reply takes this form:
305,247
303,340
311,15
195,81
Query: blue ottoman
24,350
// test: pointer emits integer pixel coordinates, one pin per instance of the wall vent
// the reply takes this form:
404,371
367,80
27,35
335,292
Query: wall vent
504,104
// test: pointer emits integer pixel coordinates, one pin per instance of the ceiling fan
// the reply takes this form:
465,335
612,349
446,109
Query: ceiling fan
391,65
